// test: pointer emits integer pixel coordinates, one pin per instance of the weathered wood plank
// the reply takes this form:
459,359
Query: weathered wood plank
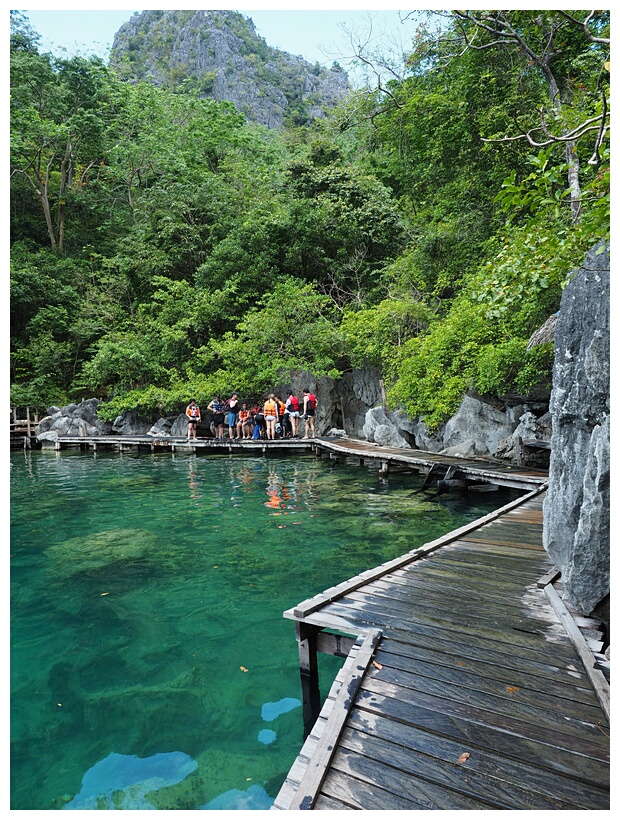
317,768
508,700
496,681
382,616
440,591
593,746
443,639
440,599
462,779
597,678
490,738
374,785
505,768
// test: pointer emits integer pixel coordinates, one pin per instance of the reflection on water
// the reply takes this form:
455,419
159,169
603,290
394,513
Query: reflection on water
151,666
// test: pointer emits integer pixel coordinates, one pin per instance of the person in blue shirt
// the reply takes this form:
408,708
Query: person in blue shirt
216,406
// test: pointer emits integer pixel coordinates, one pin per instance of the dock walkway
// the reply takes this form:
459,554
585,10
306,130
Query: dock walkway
466,685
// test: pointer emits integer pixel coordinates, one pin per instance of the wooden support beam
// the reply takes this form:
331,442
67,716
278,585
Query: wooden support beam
309,674
597,678
313,777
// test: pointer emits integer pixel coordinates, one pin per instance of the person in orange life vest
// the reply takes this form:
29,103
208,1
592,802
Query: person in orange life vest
244,424
270,411
192,411
310,403
292,407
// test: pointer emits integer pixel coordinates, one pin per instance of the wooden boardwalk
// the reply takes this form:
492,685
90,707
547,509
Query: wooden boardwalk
468,684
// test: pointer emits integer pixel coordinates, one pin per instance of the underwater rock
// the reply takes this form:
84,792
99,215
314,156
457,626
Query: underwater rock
99,550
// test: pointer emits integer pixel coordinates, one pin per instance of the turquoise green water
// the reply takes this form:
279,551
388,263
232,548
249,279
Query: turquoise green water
151,667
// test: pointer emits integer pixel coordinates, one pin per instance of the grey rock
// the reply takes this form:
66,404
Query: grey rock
576,526
223,57
179,426
478,423
466,448
130,424
162,427
380,429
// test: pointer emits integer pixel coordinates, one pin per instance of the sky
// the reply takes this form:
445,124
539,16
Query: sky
315,33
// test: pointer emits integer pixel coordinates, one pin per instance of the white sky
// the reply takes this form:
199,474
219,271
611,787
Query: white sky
314,33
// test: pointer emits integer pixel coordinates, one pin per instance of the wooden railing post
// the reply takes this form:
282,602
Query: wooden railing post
309,673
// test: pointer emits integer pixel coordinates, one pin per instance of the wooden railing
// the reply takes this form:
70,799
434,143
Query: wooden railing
24,425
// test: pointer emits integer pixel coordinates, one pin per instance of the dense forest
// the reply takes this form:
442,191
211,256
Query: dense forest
163,247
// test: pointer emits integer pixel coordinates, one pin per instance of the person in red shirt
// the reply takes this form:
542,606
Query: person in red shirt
310,403
292,409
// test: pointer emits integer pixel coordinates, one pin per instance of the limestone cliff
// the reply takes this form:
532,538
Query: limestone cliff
220,55
577,505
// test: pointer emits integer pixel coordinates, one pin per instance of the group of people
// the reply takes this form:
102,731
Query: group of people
273,419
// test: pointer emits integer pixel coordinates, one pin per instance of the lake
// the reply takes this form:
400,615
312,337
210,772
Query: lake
151,667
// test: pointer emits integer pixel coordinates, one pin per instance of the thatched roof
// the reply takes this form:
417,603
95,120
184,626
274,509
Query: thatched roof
544,334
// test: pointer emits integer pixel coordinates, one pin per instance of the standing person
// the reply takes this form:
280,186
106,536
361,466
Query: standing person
280,427
258,419
292,407
192,411
310,403
216,406
244,424
232,408
270,411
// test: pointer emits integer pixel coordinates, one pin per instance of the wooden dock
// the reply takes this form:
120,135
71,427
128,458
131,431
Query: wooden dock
468,683
433,466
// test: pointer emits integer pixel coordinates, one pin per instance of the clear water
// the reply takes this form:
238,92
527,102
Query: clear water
151,667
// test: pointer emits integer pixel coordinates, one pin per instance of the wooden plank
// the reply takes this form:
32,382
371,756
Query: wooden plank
495,681
454,779
371,784
594,745
312,604
507,699
317,768
362,795
440,589
504,634
509,770
598,680
493,739
441,639
419,608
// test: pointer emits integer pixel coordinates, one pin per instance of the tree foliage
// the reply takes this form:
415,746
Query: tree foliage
163,247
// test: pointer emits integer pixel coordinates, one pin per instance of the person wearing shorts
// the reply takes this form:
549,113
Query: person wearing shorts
192,412
292,408
310,403
270,411
232,408
216,406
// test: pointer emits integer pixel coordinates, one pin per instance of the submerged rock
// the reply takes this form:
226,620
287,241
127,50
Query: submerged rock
99,550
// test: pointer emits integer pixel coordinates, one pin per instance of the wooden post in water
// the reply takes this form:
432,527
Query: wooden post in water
309,673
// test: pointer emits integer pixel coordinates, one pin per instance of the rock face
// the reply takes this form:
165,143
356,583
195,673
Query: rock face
219,54
73,420
577,504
